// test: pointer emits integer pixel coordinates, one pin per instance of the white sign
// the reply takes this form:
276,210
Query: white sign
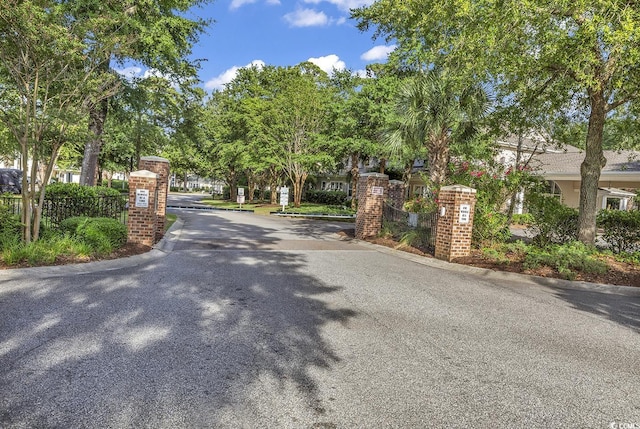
241,192
142,198
240,199
465,213
284,196
377,190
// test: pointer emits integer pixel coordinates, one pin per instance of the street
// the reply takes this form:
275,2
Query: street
255,321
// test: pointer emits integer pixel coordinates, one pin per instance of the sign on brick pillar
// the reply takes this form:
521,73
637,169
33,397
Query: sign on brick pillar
160,166
142,221
455,223
372,191
397,192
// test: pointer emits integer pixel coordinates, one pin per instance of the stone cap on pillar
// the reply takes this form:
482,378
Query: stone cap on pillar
459,188
143,173
396,182
154,158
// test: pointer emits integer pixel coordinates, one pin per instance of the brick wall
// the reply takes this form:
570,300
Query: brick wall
370,204
142,221
160,166
453,239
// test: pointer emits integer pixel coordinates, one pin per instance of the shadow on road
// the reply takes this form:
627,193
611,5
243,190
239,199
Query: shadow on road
618,307
188,340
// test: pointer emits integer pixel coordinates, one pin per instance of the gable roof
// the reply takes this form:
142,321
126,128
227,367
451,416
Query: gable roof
567,165
534,143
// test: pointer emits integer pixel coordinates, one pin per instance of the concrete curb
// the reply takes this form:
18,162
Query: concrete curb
503,275
160,250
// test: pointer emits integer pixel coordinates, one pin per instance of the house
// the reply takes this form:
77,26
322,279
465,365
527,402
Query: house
619,179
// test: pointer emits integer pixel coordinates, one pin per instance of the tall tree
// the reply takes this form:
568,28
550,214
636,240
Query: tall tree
433,115
156,33
582,54
44,86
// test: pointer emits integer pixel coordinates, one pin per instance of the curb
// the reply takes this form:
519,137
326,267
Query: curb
503,275
159,250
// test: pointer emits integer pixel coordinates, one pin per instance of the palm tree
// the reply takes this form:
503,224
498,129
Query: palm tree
432,115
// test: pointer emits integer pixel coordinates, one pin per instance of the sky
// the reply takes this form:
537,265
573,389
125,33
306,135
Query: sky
281,33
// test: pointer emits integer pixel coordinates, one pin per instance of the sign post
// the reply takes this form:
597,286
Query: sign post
240,197
284,197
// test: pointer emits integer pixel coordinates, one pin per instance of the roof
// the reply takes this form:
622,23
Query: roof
568,164
535,143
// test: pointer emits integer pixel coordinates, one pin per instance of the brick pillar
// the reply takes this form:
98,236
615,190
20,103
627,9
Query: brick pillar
372,190
453,237
160,166
397,193
142,222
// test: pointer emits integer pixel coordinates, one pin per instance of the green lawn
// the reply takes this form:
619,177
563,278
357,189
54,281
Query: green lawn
265,209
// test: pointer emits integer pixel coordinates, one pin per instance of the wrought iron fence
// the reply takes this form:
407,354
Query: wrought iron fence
57,209
418,229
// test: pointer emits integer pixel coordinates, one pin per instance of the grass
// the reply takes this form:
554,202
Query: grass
265,208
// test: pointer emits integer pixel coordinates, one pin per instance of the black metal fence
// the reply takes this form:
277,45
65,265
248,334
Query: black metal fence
57,209
417,229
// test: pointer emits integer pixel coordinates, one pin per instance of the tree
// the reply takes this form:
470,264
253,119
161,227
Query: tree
44,82
581,55
155,33
432,115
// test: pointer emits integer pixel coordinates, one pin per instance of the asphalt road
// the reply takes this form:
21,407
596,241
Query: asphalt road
245,321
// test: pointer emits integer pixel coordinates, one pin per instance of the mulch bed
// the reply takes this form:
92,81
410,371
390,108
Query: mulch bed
619,273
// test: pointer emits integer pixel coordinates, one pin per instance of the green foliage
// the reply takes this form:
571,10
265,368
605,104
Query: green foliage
567,259
104,235
332,198
64,200
621,229
553,222
421,205
10,226
522,219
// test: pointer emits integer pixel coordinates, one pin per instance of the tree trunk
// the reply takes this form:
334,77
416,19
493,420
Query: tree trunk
383,165
273,185
184,182
591,168
438,161
355,176
97,118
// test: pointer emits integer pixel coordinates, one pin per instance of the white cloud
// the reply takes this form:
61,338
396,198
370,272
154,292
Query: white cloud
306,18
129,72
329,63
218,82
380,52
344,5
235,4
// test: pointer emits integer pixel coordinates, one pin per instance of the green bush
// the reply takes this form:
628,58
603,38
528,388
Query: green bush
552,222
104,235
567,259
621,229
522,219
489,227
331,198
65,200
10,226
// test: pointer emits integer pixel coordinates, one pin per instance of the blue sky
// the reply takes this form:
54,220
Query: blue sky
281,33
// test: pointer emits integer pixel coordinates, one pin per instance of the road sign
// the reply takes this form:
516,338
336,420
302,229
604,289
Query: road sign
241,192
284,197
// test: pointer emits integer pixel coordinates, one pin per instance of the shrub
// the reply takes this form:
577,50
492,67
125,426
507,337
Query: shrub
552,222
10,226
621,229
522,219
566,259
331,198
104,235
64,200
489,227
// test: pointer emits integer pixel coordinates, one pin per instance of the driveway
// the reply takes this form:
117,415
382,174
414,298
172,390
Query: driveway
252,321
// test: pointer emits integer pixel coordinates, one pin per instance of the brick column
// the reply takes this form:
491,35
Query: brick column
142,222
160,166
453,237
372,191
397,193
